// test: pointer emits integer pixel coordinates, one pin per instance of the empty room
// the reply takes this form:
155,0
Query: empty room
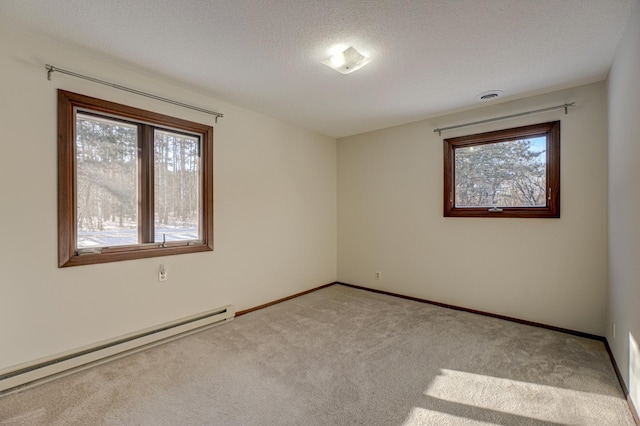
292,212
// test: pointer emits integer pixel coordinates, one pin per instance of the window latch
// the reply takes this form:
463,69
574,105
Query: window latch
164,241
495,210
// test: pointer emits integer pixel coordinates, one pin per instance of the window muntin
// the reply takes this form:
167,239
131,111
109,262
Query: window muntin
132,183
512,172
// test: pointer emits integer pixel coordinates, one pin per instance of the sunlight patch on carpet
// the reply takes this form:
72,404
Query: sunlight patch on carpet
422,416
487,398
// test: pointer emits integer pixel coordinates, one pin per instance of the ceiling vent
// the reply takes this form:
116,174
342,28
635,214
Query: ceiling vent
489,95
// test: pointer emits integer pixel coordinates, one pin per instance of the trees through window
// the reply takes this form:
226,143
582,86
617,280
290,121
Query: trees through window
132,183
513,172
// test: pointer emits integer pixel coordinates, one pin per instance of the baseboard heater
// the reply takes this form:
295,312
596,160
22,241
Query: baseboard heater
42,370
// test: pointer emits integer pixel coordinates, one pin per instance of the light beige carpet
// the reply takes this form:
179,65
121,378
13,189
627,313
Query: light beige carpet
342,356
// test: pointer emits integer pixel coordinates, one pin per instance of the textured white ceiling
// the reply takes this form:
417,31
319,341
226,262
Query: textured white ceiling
428,57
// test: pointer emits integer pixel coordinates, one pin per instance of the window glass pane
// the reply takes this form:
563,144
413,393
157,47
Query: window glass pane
504,174
107,175
177,186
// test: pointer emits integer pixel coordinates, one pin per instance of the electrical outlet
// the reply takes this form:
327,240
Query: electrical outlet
378,275
613,331
162,273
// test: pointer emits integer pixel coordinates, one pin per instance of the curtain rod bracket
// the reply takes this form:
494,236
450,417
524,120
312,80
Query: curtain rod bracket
51,69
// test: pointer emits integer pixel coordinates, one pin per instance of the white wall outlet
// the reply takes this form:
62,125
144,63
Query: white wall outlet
613,331
162,273
378,275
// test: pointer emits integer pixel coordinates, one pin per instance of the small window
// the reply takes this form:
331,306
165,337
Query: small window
131,183
507,173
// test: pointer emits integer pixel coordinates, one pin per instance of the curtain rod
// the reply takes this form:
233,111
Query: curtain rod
565,106
51,69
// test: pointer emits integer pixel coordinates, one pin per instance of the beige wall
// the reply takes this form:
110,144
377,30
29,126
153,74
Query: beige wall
551,271
624,206
275,213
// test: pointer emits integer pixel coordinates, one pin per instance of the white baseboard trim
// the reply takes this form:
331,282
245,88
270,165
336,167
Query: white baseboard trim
19,377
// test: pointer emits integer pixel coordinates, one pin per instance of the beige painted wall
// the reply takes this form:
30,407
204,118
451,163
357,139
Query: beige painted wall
275,213
551,271
624,206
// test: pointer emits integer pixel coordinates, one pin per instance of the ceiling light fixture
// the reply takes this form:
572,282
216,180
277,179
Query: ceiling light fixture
347,61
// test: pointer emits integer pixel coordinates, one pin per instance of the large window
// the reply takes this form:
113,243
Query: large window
512,173
131,183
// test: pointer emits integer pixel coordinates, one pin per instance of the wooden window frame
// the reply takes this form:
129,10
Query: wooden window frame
68,104
552,208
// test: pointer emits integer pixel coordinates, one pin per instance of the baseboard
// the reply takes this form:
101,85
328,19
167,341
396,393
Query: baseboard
483,313
20,377
632,408
284,299
23,376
